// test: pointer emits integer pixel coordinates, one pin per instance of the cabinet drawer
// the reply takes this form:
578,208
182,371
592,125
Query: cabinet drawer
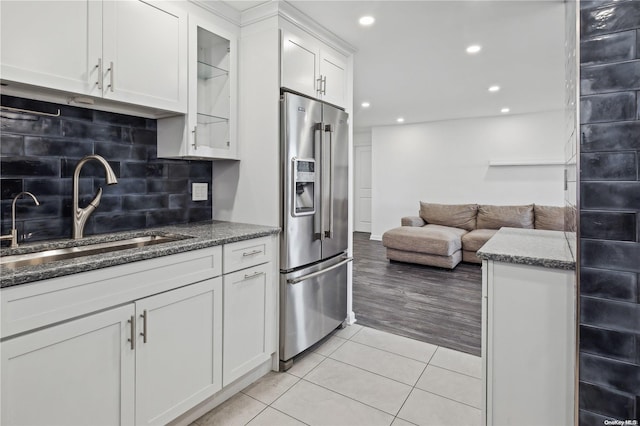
244,254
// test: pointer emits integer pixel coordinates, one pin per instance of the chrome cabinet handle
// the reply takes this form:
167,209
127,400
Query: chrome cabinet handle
319,85
251,253
111,77
99,67
255,274
324,85
144,326
132,322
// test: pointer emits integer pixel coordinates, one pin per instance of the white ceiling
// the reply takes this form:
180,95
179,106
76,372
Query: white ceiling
412,62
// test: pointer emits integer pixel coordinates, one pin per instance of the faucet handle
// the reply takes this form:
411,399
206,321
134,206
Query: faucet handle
96,201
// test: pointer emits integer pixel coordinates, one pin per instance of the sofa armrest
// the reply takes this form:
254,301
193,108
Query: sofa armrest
412,221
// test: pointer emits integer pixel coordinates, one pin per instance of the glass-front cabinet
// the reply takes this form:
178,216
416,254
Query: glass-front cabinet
208,129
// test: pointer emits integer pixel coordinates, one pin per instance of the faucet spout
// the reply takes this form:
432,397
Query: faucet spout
14,232
80,216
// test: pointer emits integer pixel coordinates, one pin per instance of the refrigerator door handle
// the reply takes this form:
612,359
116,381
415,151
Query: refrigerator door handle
329,129
323,271
318,219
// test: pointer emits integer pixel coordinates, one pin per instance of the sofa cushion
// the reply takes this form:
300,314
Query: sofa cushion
448,262
470,256
475,239
495,217
412,221
549,217
455,215
430,239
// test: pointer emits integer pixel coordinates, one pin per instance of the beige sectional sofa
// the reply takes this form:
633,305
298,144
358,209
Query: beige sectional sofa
443,235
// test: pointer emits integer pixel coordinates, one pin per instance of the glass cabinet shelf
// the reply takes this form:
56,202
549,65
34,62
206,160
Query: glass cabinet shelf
206,71
210,119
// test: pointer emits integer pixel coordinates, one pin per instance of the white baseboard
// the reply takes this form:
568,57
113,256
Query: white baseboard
351,318
375,237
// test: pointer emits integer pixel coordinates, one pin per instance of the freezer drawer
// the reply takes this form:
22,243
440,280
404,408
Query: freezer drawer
313,303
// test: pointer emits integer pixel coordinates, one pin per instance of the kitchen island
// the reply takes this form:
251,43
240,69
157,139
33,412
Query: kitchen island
528,327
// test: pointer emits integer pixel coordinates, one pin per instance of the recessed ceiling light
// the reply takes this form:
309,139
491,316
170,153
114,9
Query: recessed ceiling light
494,88
474,48
505,110
365,104
400,120
367,20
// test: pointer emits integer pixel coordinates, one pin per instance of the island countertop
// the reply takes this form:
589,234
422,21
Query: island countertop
548,249
197,236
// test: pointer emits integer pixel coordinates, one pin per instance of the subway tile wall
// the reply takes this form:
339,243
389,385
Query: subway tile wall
609,387
39,155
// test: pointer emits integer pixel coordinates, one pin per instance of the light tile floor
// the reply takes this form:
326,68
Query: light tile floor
362,376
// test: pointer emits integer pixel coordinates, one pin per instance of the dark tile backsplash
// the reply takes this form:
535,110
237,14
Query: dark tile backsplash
609,48
608,284
609,17
609,166
39,154
610,136
608,225
608,107
609,387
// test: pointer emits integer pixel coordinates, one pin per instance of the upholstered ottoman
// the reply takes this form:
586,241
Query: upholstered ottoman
433,245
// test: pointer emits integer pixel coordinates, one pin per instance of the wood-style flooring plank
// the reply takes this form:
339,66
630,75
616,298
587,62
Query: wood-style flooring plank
433,305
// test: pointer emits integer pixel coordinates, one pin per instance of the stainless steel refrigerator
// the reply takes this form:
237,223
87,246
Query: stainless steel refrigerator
314,206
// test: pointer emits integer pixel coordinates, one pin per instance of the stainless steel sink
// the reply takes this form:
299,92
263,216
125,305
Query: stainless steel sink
40,257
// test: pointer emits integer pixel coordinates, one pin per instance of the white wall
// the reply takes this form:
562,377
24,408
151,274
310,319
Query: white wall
448,162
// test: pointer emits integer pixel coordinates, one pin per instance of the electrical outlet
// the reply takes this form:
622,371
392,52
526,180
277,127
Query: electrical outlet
199,191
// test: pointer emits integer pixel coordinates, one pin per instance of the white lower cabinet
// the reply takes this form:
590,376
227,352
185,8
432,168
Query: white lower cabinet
528,344
77,373
85,371
141,343
246,305
178,350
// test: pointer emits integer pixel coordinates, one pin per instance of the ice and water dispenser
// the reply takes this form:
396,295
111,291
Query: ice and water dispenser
304,179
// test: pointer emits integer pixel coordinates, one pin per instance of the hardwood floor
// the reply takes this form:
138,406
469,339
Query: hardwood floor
434,305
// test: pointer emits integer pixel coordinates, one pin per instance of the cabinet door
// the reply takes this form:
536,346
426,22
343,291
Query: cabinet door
333,71
52,44
247,304
212,90
178,350
145,54
299,64
76,373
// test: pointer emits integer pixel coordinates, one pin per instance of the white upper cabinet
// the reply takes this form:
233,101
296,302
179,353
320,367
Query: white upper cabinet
131,51
333,69
52,44
145,54
312,68
208,130
299,64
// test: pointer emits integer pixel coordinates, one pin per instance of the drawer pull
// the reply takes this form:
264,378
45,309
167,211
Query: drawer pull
251,253
255,274
132,322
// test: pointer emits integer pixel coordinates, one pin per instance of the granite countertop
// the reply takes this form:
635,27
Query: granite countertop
198,236
536,247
